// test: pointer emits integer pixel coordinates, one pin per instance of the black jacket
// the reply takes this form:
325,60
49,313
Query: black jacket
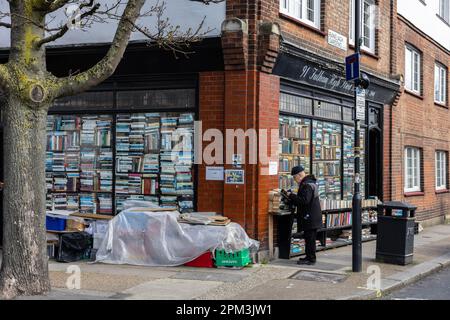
308,204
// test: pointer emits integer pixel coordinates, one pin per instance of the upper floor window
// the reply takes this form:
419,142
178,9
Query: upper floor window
368,25
306,11
412,69
440,84
444,10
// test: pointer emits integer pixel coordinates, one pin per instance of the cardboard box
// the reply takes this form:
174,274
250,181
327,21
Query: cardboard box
75,225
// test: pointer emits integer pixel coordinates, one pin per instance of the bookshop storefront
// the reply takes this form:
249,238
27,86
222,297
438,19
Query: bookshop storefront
106,147
317,128
132,136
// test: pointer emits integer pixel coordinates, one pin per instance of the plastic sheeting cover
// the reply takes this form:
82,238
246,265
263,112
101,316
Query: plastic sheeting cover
157,239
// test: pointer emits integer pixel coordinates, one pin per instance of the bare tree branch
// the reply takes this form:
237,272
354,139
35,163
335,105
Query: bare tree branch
63,30
208,1
106,67
165,35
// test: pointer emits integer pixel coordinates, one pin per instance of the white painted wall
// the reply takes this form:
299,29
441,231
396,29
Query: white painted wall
184,13
424,17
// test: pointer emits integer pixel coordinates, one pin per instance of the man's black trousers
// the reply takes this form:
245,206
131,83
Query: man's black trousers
310,244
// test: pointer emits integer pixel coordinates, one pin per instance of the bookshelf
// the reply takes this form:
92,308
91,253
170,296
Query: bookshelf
349,164
327,154
294,148
154,159
79,163
336,230
95,163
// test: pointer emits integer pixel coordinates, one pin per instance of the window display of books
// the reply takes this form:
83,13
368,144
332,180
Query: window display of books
326,139
349,164
154,157
294,148
152,154
79,160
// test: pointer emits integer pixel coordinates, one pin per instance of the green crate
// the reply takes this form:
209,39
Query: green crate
233,259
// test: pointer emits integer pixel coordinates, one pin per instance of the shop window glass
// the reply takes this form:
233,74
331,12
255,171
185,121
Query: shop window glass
86,101
349,162
295,104
294,149
327,110
327,155
347,114
153,159
156,99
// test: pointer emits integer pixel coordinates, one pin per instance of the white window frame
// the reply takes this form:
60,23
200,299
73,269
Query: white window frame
412,170
444,10
440,84
298,9
441,170
413,66
371,35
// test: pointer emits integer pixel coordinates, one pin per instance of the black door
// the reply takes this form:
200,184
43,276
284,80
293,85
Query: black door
375,154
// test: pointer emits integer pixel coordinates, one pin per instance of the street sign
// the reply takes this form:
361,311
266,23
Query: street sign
352,67
360,104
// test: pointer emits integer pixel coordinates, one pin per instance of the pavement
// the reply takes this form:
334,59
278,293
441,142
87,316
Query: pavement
330,279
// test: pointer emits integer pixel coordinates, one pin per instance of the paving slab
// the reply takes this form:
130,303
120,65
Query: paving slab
210,276
169,289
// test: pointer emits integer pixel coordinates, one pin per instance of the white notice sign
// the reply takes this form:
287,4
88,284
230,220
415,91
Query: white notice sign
337,40
360,104
215,173
273,168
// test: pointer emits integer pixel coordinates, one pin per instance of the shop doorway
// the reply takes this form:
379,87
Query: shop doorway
375,154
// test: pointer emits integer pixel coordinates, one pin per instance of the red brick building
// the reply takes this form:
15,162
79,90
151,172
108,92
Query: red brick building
420,134
278,65
282,67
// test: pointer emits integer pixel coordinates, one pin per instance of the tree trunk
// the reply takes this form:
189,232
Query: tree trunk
24,269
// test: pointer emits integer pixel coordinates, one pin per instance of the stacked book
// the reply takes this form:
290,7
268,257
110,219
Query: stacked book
88,203
274,201
151,163
198,218
104,204
152,135
58,164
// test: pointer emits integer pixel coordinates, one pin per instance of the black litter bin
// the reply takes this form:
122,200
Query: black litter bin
395,236
284,230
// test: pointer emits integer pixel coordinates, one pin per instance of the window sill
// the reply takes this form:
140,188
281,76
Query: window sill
414,94
439,104
365,52
442,191
303,24
414,194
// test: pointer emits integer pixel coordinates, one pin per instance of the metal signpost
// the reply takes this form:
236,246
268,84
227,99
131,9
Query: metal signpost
353,73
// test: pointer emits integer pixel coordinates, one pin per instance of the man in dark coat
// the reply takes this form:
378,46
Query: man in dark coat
309,213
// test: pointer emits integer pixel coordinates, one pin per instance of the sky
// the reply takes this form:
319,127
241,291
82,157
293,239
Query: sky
181,12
